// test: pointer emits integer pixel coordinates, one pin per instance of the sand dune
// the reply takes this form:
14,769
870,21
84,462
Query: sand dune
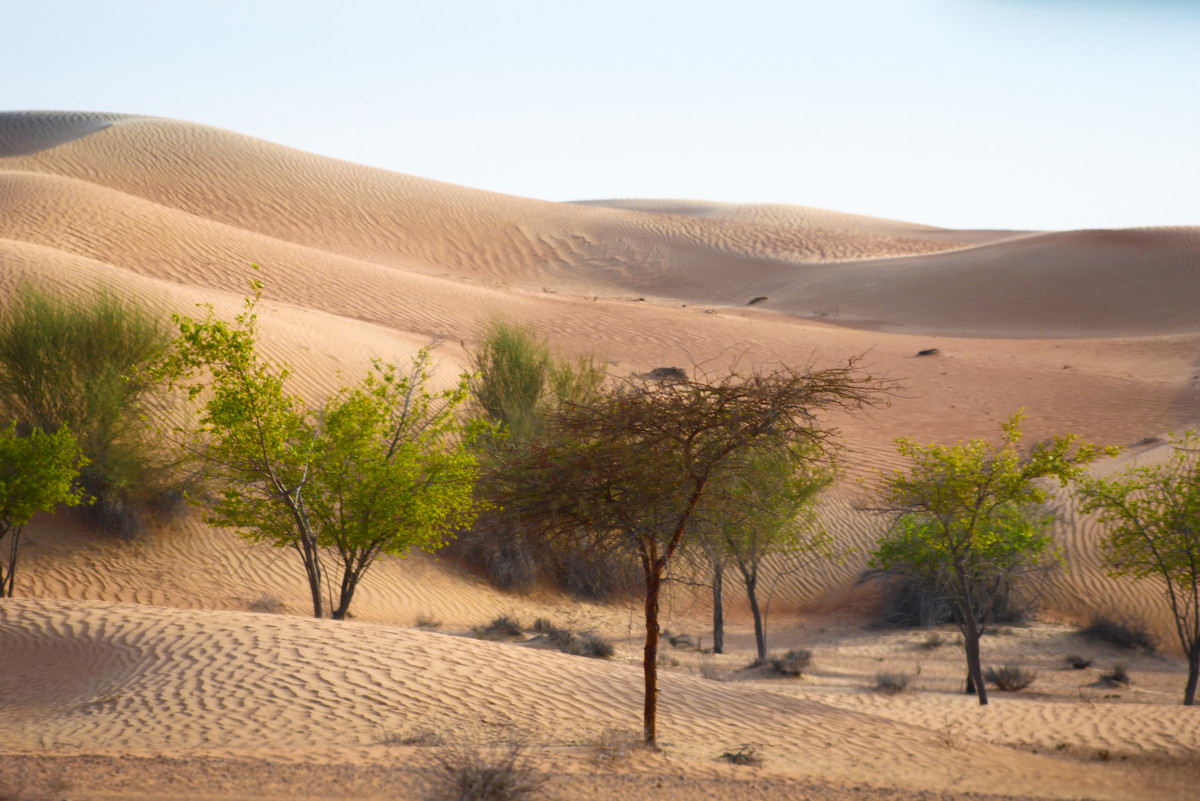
1093,332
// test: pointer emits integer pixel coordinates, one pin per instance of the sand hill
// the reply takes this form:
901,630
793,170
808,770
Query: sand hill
136,671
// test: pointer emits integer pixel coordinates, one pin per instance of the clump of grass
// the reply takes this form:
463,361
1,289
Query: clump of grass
746,754
469,771
1078,662
790,664
501,628
1127,633
428,622
1117,677
711,670
574,643
892,683
266,604
616,744
933,641
420,737
1010,678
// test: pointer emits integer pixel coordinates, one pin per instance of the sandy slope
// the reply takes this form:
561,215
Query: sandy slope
1089,331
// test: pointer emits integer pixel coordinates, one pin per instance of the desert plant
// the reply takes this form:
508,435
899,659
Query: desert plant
380,468
962,520
1128,633
467,770
1078,662
504,627
37,473
746,754
569,642
1152,516
426,621
82,366
266,604
790,663
1117,677
932,641
628,468
892,683
615,744
1010,678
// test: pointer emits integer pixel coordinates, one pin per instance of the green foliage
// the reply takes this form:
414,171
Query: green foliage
37,472
381,467
80,366
1152,519
960,519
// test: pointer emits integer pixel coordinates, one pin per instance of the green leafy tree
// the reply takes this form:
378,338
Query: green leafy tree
37,473
79,365
962,520
1152,515
761,519
381,467
631,467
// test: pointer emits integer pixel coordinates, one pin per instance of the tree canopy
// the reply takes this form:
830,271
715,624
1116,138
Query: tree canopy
964,516
633,464
380,467
1152,519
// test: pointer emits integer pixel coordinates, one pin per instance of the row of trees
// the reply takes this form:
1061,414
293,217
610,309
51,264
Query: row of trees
644,466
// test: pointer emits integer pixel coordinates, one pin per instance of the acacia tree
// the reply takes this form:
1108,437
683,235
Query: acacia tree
381,467
961,520
765,524
37,472
1153,518
633,465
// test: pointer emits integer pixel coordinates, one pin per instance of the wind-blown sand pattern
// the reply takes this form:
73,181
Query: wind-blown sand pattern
139,660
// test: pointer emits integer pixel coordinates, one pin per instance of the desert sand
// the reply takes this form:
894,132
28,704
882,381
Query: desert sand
182,665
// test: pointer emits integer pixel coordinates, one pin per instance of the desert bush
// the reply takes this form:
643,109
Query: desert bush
791,663
428,622
1127,633
892,683
1010,678
80,365
469,771
711,670
570,642
500,628
934,640
1117,677
746,754
1078,662
615,744
266,604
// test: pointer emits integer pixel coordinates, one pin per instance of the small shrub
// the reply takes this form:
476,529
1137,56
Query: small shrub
595,646
468,771
746,754
1117,677
428,622
420,737
711,670
891,683
567,641
933,641
543,626
1127,633
501,628
266,604
1078,662
616,744
1010,678
791,664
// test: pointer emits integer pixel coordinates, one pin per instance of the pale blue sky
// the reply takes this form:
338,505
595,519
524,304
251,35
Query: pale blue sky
962,113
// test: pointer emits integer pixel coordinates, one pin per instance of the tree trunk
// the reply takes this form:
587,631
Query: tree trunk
1189,693
312,567
6,580
718,609
650,660
760,629
974,665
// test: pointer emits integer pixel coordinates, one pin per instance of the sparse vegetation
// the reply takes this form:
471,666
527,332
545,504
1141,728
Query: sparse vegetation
790,663
425,621
933,641
471,771
1010,678
1117,677
1078,662
891,683
266,604
746,754
504,627
574,643
1127,633
616,744
81,365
